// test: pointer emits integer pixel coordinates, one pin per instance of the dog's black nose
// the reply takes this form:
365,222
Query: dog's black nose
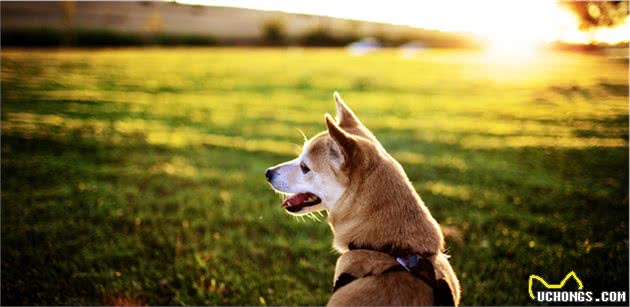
269,174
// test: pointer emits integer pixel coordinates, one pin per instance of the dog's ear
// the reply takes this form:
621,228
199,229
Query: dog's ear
344,141
345,116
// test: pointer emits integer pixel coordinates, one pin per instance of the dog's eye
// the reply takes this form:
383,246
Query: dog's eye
304,168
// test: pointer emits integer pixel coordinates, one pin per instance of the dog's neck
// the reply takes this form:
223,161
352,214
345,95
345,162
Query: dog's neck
382,209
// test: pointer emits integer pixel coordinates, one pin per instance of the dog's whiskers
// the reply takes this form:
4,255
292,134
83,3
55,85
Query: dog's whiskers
303,135
313,217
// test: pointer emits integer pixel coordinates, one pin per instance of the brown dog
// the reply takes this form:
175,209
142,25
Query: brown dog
391,245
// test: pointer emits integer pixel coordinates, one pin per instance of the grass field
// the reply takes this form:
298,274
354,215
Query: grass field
135,176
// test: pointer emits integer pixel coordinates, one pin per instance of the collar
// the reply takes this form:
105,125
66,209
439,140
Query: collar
390,249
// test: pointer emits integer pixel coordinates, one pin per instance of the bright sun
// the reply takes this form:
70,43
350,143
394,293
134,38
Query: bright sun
518,28
521,27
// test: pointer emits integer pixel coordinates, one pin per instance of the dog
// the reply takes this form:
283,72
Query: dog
391,247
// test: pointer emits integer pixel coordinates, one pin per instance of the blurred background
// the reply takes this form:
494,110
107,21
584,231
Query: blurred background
135,136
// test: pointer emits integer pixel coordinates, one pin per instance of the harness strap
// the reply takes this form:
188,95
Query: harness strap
418,265
424,275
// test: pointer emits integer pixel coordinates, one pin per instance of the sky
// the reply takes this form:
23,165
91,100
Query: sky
499,21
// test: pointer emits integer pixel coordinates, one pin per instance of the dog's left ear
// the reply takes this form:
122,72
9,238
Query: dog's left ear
344,141
345,116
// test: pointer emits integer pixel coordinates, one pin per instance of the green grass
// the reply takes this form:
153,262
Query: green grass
136,175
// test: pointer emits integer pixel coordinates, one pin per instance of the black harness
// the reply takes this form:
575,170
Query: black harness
407,260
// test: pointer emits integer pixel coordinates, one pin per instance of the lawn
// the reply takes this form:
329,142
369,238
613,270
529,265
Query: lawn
135,176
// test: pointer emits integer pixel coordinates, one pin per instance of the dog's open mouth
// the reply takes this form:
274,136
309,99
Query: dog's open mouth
297,202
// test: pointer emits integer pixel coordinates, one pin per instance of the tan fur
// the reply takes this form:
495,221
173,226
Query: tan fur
372,288
378,207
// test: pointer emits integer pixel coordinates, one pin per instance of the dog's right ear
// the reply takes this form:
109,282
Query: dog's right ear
344,141
345,116
347,120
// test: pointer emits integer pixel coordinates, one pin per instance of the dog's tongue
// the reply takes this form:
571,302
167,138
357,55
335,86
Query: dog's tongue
294,200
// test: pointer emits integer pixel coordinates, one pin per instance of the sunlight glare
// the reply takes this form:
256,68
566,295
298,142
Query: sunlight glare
522,28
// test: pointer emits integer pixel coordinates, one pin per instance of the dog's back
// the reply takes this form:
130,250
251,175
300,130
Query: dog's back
371,278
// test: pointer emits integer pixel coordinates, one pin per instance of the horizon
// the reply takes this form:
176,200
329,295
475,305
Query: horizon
513,30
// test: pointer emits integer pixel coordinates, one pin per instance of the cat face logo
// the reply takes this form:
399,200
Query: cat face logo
553,286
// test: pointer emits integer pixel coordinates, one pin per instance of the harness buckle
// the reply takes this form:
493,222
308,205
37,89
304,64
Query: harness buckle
410,263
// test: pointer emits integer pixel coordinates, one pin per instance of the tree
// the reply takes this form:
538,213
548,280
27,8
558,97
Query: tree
594,14
274,31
